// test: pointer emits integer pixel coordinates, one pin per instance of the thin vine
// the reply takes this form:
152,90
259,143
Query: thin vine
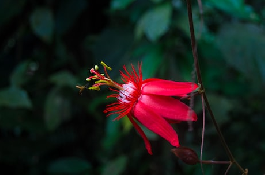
199,78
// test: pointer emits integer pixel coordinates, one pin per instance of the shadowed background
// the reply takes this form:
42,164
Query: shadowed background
47,48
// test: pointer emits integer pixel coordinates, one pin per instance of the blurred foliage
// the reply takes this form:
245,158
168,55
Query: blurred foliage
47,48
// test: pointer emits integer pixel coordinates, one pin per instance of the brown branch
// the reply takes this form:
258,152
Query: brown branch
197,67
214,162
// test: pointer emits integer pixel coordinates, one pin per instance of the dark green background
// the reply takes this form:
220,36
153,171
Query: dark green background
47,48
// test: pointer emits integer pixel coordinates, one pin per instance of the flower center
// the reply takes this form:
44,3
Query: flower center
126,94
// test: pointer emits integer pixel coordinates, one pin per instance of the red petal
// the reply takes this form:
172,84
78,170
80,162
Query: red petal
169,107
141,132
155,123
167,87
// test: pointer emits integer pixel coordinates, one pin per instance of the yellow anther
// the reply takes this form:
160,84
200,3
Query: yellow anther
96,67
105,65
101,81
95,88
88,79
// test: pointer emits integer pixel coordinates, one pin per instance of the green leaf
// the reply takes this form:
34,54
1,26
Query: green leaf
62,54
18,76
42,23
68,12
127,125
236,8
227,5
95,103
157,1
64,78
155,22
113,132
70,165
14,97
113,46
221,106
200,29
19,119
242,47
57,109
120,4
149,134
8,9
116,166
151,56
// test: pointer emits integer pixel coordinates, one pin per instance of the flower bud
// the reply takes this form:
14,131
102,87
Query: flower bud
187,155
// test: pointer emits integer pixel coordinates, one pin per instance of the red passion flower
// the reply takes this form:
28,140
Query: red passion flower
149,102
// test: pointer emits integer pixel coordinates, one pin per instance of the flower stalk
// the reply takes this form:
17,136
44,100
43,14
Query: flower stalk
197,67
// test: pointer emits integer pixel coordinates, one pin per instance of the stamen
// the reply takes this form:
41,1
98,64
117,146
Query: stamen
102,79
105,65
102,82
96,88
81,88
92,70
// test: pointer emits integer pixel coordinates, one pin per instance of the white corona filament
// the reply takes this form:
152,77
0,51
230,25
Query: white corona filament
127,93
